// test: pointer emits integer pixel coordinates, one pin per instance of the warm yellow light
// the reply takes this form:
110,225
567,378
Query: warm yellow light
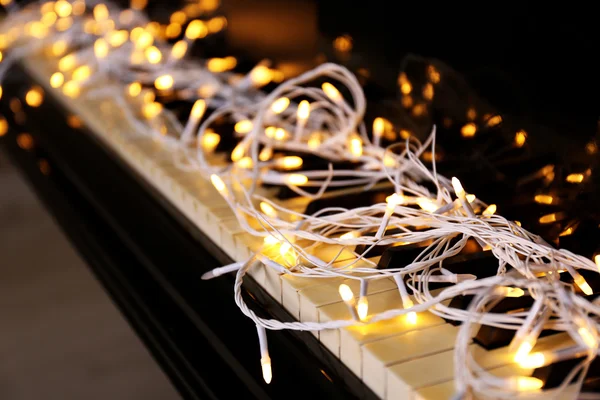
345,292
428,91
153,55
144,41
433,74
62,24
210,141
296,179
289,162
173,30
101,48
245,163
244,126
100,12
411,317
568,231
426,204
524,349
82,73
59,47
196,30
63,8
520,138
588,338
178,17
3,126
331,92
44,8
468,130
406,88
596,257
134,89
265,154
218,184
389,161
34,97
198,109
394,200
1,91
135,33
49,18
543,199
67,62
350,235
518,223
71,89
583,285
151,110
362,308
549,218
179,49
471,198
57,79
266,369
268,209
378,126
221,64
238,152
286,249
216,24
471,114
533,361
575,178
280,134
138,4
314,140
495,120
343,43
490,210
525,383
164,82
280,105
270,240
303,110
355,145
78,7
458,188
117,38
509,291
260,75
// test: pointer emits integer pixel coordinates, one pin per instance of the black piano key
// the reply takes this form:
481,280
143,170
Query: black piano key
349,200
505,305
394,256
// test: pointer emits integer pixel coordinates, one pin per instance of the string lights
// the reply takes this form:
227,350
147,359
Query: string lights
320,113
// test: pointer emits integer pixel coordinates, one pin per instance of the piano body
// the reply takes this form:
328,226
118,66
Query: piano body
151,229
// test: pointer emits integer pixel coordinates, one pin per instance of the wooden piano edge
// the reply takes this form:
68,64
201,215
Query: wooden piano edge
332,368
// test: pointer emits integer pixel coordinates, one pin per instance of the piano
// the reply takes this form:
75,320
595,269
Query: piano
150,229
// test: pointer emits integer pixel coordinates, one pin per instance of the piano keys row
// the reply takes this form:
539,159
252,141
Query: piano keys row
396,358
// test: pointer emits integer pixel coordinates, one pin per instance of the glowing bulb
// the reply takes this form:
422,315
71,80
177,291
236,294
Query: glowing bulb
268,209
100,12
303,110
270,240
221,64
134,89
331,92
587,337
346,292
144,40
428,91
280,134
458,188
406,88
495,120
117,38
378,126
532,361
218,184
198,109
179,49
164,82
196,30
394,200
260,75
266,369
350,235
244,126
596,257
81,73
296,179
216,24
524,349
575,178
138,4
471,198
509,291
173,30
100,48
314,141
34,97
490,210
285,249
71,89
68,62
48,19
245,163
468,130
238,152
289,162
210,141
280,105
412,318
178,17
356,147
153,55
549,218
583,285
59,47
78,7
265,154
63,8
520,138
3,126
362,308
543,199
151,110
426,204
525,383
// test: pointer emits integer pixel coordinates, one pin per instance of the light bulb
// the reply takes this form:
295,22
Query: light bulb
346,292
289,162
280,105
296,179
303,110
164,82
362,308
196,30
210,141
218,184
490,210
268,209
331,92
243,126
267,372
532,361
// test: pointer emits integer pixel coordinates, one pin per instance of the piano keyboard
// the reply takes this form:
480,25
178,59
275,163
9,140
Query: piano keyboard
396,358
